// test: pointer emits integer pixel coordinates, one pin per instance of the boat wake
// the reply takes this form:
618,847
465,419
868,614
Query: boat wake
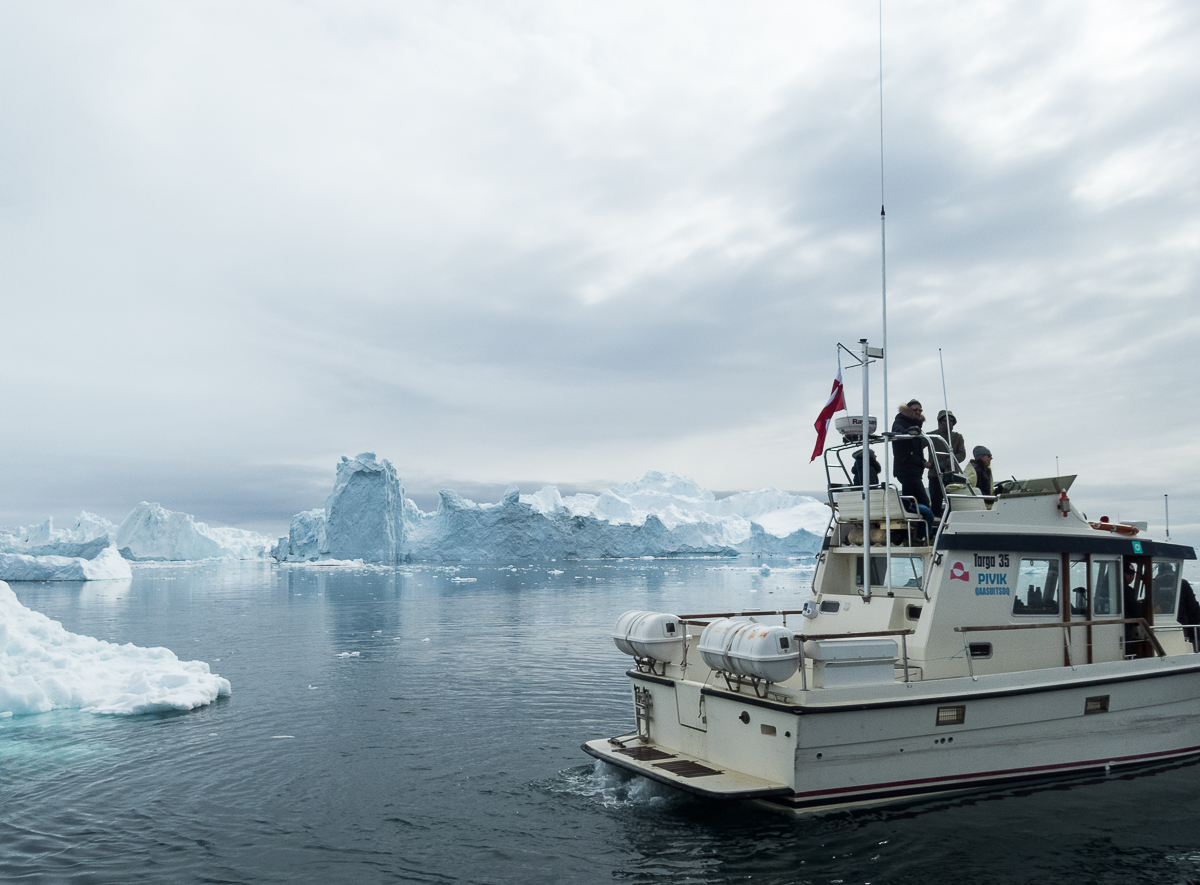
611,787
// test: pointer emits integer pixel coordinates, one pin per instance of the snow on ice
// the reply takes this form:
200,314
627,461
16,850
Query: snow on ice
43,667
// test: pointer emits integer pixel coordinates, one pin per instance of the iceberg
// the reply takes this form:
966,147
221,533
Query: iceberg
153,532
106,565
368,518
149,532
44,667
305,539
364,514
44,539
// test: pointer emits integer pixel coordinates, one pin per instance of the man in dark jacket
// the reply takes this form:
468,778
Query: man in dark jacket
945,440
909,453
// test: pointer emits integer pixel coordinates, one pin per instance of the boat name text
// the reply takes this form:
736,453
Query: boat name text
991,583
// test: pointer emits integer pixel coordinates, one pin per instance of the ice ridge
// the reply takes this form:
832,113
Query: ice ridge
658,514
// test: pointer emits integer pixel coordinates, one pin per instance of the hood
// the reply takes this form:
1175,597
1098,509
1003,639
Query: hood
910,414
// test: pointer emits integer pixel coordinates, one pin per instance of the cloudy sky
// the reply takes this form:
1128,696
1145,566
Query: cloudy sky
569,242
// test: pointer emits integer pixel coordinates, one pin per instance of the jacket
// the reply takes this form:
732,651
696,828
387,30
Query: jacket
980,477
956,444
908,455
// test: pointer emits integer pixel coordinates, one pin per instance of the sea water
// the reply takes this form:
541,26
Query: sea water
423,723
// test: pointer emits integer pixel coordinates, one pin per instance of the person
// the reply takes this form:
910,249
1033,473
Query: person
1133,608
946,440
979,470
1189,612
908,452
856,472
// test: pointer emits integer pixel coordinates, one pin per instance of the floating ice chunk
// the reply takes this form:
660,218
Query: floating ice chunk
107,566
43,667
348,654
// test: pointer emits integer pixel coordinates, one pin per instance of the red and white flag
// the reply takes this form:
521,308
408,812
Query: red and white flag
835,403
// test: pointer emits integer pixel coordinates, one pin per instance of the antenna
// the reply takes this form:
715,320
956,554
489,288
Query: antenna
945,399
887,449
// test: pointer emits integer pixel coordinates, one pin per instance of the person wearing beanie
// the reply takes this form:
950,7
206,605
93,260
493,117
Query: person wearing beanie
945,440
979,471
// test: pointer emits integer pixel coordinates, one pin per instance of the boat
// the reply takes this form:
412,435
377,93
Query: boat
1002,645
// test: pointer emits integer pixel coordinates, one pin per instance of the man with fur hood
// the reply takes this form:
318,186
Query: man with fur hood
908,455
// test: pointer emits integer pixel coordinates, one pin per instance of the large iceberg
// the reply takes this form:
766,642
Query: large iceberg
153,532
364,514
43,667
106,565
659,514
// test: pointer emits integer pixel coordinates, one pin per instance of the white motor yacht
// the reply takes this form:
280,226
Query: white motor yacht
1006,644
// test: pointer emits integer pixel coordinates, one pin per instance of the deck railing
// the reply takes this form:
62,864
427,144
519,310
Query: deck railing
1065,626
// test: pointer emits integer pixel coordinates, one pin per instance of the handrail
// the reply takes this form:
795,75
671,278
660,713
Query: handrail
694,619
1068,624
867,635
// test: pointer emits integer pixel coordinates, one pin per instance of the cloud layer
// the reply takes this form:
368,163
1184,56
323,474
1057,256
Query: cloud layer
568,243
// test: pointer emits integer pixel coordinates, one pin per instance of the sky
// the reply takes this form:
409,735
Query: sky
566,243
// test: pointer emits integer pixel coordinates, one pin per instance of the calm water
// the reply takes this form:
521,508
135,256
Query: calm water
447,749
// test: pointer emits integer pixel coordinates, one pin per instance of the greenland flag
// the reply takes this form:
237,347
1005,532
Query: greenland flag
835,403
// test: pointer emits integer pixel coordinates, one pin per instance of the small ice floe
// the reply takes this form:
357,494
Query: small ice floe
464,580
426,639
765,571
283,737
43,667
312,688
348,654
556,571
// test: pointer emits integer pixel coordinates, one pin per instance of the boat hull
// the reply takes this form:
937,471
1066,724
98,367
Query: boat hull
835,750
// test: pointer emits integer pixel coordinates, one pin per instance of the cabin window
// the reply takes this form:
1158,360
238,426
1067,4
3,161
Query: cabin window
913,612
1106,590
1077,581
980,650
907,571
1036,592
830,607
1165,582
